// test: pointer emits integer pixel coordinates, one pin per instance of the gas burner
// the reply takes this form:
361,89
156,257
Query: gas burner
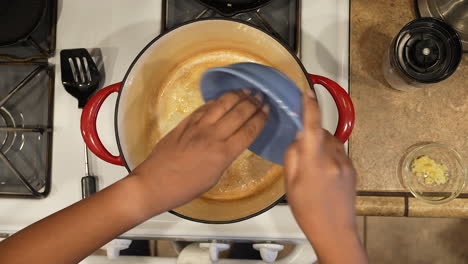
8,133
26,93
280,18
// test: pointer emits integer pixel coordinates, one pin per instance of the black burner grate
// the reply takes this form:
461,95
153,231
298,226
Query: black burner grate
26,107
40,45
281,18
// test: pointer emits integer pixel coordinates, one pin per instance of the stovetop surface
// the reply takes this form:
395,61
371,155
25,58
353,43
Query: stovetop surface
121,32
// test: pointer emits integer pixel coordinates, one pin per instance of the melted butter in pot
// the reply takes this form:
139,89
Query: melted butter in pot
180,96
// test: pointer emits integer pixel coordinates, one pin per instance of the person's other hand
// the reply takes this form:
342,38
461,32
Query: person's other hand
190,159
320,183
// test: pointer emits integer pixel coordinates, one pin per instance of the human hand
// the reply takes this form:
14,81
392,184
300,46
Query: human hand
190,159
320,183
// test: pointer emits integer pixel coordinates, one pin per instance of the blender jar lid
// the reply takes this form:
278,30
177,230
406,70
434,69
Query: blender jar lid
427,50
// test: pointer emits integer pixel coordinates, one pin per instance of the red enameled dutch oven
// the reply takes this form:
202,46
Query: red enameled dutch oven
136,112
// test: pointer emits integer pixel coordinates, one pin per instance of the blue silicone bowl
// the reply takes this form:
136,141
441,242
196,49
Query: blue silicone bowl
279,92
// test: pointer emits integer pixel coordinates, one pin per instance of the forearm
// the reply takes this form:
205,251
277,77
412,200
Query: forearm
73,233
338,246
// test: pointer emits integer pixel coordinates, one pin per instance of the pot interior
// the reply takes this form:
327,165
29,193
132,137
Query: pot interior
162,87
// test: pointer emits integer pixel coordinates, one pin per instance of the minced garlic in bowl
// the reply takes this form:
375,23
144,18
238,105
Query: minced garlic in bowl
432,172
429,170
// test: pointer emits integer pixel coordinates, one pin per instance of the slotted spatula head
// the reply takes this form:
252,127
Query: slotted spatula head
80,75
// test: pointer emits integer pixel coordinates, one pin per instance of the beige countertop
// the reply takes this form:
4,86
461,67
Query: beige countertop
389,121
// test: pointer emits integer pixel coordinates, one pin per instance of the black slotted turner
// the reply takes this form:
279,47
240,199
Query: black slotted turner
80,75
81,78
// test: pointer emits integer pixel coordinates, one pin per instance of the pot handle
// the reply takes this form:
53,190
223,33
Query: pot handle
88,124
346,114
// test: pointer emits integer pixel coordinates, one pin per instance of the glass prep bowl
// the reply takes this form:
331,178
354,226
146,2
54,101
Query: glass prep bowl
433,193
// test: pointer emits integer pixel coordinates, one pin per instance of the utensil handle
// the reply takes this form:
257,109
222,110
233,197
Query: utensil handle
346,114
88,125
88,186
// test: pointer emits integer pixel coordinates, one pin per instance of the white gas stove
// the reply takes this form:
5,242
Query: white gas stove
120,29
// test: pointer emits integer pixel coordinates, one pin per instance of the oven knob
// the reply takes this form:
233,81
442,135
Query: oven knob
269,252
214,249
114,247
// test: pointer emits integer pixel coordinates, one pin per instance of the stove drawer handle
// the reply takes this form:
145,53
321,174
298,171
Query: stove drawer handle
346,114
88,125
